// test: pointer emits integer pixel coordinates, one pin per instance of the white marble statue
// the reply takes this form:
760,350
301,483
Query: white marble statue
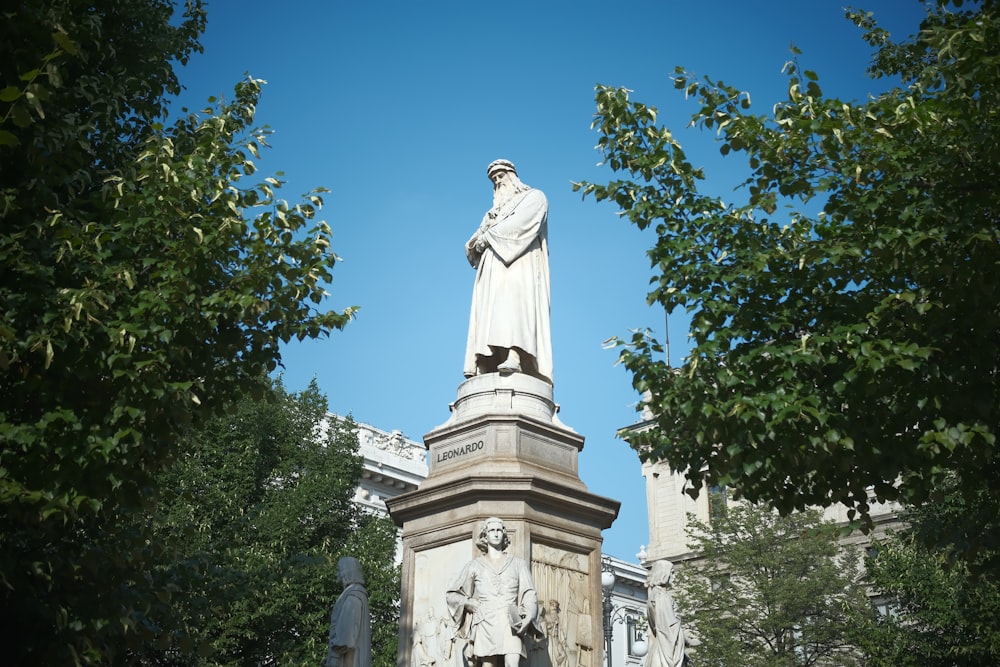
350,643
494,599
668,640
509,329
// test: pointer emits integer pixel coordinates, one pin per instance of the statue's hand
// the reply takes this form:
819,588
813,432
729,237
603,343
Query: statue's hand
471,605
473,256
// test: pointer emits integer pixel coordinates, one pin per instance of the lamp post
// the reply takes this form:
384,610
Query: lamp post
612,614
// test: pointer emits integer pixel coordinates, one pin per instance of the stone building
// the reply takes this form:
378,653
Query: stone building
669,507
393,465
627,613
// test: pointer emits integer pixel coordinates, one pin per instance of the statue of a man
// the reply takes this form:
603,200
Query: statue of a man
509,328
497,590
350,642
667,648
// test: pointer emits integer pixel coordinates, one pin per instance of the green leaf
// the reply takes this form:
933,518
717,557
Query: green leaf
10,94
65,43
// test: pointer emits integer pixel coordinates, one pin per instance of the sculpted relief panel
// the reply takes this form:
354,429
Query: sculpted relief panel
565,616
436,640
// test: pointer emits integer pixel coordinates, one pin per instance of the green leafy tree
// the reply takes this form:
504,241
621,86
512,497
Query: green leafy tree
145,282
771,591
260,510
942,611
845,306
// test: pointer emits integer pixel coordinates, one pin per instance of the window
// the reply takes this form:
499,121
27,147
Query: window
636,627
718,501
720,583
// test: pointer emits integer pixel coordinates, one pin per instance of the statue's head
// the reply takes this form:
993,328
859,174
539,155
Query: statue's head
506,183
349,570
493,524
660,574
498,166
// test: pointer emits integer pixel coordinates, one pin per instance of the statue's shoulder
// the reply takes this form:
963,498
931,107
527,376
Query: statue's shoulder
356,590
534,194
532,201
520,562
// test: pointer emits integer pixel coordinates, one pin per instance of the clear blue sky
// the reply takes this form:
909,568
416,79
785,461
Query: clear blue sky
397,108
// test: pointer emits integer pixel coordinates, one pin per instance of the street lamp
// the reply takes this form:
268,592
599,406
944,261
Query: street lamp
612,614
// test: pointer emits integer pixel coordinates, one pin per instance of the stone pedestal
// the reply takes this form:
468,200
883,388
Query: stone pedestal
504,453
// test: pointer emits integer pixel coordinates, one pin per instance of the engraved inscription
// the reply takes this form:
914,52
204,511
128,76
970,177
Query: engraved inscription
461,450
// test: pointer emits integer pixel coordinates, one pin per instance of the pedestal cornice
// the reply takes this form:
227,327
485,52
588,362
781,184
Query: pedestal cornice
575,504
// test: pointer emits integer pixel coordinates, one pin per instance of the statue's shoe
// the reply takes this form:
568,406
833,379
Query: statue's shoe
508,367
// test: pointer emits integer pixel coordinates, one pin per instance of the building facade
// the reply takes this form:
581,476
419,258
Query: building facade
624,613
393,465
671,507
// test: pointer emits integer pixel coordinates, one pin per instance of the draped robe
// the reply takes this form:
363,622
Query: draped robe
510,298
350,643
503,591
667,647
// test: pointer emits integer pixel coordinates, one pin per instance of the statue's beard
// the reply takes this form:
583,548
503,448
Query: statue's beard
504,192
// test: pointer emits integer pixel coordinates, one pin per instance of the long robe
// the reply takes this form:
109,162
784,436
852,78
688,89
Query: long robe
350,643
510,299
504,591
667,647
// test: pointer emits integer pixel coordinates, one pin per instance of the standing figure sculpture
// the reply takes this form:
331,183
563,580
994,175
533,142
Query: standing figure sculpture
350,642
494,597
667,636
509,329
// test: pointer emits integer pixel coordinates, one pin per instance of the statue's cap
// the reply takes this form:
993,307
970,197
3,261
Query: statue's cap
499,165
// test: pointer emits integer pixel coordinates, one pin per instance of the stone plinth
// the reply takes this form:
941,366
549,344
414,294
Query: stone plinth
504,453
504,425
496,394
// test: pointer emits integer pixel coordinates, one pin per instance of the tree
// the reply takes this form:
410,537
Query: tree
846,308
261,509
144,284
768,590
941,611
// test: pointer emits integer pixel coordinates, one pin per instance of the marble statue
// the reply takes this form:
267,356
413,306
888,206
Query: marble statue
350,643
667,639
494,599
509,329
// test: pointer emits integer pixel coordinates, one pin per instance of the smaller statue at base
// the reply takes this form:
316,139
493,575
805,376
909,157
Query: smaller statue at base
350,643
494,600
667,648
